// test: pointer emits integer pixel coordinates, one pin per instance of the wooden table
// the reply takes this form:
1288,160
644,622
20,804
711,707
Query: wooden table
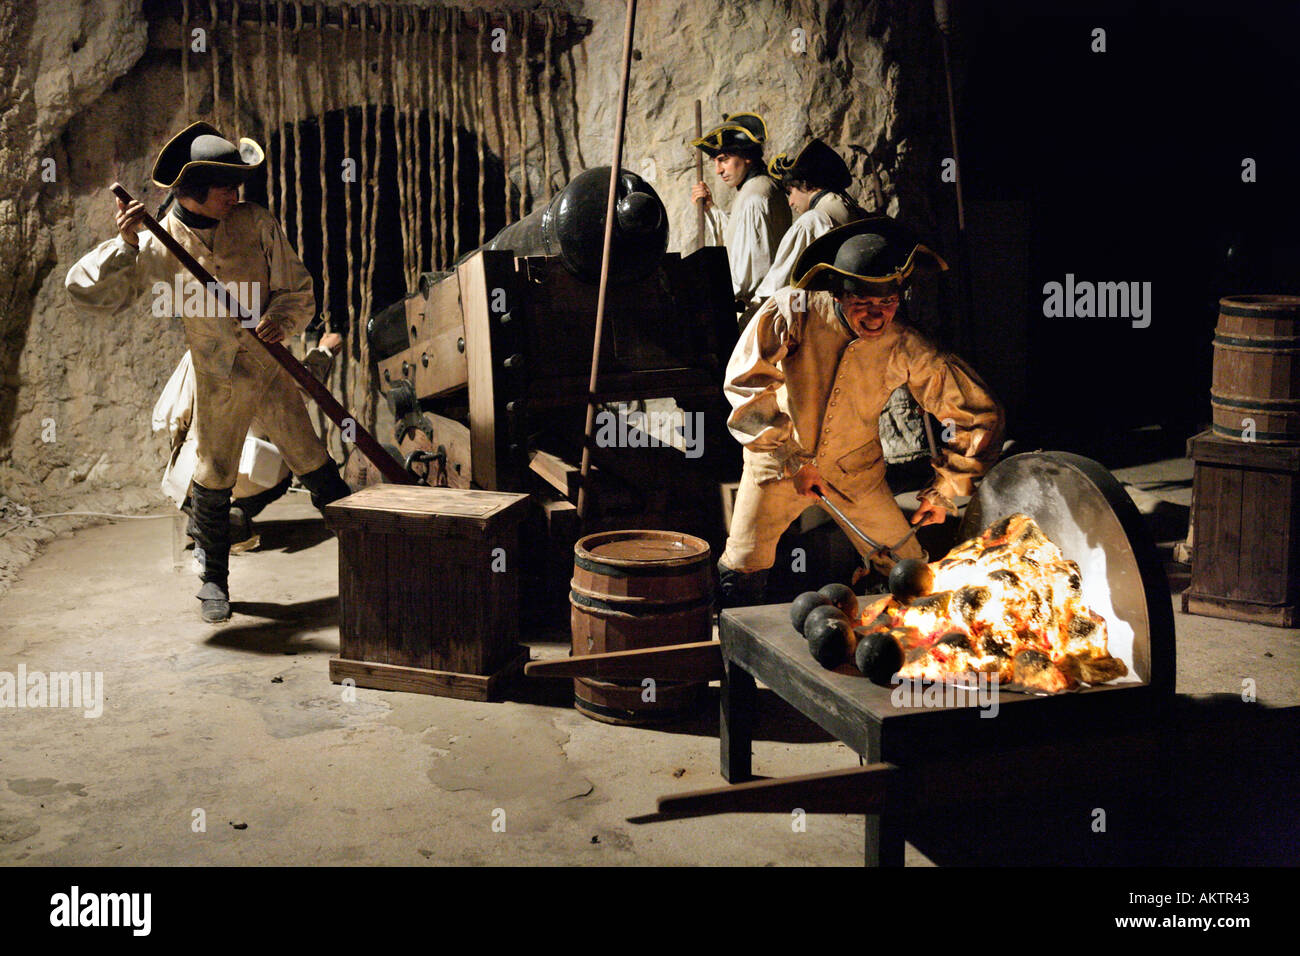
1082,743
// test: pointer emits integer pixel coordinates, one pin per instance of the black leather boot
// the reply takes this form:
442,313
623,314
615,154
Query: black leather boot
325,485
254,505
243,534
211,534
738,588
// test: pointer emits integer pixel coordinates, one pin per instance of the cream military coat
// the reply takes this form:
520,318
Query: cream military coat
237,384
805,389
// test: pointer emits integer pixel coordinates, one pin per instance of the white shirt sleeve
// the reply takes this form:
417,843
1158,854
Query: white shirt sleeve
798,237
113,275
751,244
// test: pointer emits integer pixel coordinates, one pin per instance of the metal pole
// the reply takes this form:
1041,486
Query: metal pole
614,170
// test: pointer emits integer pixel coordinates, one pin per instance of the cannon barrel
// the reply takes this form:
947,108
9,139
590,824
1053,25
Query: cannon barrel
571,227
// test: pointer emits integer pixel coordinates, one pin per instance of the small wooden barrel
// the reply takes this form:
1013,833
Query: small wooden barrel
632,590
1256,388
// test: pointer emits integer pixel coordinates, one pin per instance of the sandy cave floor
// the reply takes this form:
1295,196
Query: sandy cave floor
242,723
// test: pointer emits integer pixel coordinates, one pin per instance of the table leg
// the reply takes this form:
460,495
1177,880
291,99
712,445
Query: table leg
884,844
736,722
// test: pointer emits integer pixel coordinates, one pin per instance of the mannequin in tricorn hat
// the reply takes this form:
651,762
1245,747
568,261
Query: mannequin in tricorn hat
815,181
807,382
237,383
759,215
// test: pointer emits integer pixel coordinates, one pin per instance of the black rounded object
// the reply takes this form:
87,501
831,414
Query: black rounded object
387,331
842,596
572,226
910,578
828,639
804,605
822,613
878,656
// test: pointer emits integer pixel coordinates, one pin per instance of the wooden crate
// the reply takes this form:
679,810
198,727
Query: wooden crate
1246,511
428,589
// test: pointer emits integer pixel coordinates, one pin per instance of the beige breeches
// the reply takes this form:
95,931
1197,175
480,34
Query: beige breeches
265,399
763,512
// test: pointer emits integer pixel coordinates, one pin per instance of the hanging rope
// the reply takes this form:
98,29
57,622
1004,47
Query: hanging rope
435,130
234,71
422,171
480,123
345,45
216,66
415,93
266,106
361,381
544,96
522,111
185,56
297,127
455,135
408,164
507,73
324,178
281,125
344,382
392,66
385,21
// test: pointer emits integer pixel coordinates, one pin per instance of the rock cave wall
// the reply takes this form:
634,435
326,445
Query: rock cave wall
97,89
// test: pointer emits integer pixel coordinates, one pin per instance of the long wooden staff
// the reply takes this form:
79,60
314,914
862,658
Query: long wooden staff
699,176
614,170
391,470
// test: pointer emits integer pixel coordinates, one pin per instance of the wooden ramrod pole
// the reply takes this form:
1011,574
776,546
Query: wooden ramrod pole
614,171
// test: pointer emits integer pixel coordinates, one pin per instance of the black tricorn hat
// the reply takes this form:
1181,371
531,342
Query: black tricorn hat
200,150
741,133
864,257
815,163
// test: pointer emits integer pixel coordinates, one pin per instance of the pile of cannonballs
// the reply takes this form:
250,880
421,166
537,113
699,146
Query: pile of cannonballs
829,621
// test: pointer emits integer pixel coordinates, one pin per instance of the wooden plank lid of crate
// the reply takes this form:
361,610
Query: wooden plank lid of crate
418,508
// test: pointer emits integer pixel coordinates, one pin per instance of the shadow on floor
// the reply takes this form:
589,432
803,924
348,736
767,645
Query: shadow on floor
280,628
291,536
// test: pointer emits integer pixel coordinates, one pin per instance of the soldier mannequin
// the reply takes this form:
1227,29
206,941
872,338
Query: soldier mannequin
807,382
759,215
237,384
814,182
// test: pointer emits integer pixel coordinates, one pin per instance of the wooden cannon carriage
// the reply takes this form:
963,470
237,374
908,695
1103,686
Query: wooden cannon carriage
486,370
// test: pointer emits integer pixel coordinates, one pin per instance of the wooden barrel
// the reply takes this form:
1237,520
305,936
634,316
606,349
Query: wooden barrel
1255,393
632,590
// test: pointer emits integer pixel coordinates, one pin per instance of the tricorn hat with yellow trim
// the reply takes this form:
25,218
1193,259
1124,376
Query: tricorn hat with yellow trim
199,151
740,133
867,257
815,163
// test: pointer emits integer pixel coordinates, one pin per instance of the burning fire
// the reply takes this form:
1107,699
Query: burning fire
1005,603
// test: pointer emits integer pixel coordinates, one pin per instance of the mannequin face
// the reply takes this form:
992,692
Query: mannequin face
799,199
221,199
731,169
868,316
